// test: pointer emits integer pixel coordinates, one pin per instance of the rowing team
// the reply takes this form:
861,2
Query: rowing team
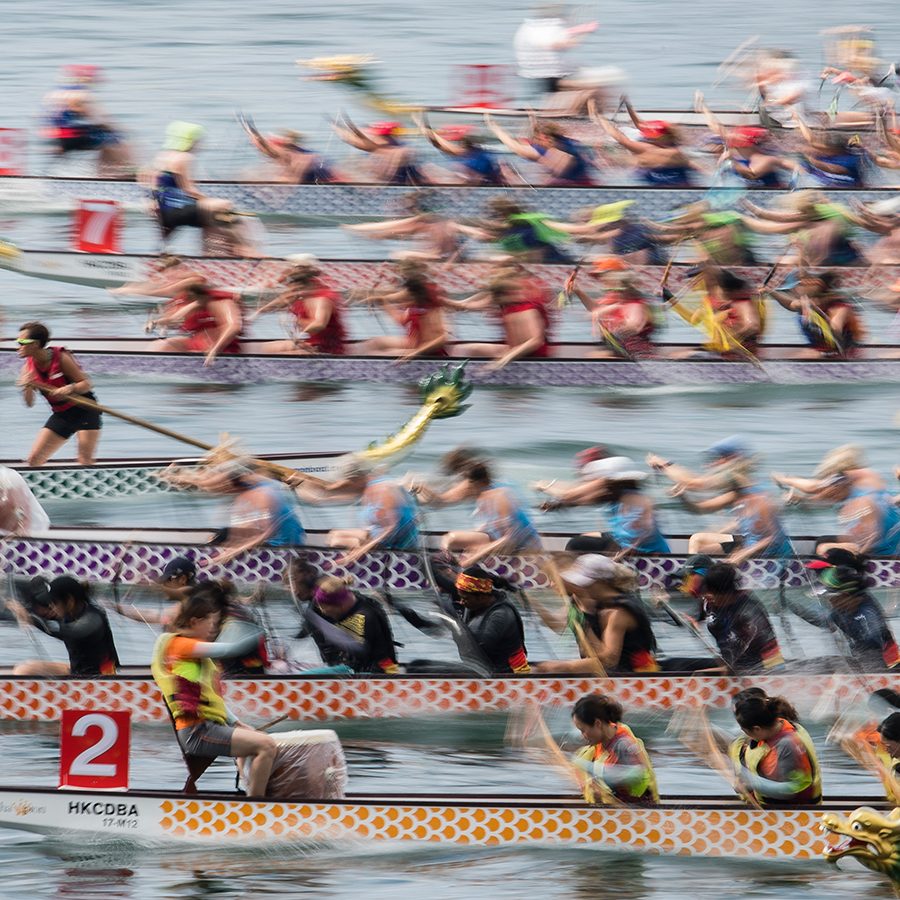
774,760
625,321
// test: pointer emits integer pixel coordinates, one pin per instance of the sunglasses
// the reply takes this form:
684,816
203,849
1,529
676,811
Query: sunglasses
24,342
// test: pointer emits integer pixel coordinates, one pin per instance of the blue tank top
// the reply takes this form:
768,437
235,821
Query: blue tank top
770,179
524,535
852,162
634,237
287,528
579,169
169,194
750,529
315,174
623,527
888,541
482,164
670,176
405,534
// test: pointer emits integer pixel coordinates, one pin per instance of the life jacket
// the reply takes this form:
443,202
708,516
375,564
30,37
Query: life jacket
644,791
202,324
613,319
191,688
873,739
751,755
52,377
332,337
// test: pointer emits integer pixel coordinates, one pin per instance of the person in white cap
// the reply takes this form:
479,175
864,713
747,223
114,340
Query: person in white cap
757,529
615,482
318,310
614,626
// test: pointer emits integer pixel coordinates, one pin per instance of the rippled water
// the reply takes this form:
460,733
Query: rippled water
201,61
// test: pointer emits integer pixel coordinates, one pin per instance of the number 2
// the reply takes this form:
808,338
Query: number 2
84,764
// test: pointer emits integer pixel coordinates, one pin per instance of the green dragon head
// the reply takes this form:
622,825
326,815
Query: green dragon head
445,391
869,836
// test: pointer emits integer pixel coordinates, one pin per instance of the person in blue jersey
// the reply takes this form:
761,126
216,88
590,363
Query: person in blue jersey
476,165
263,511
394,161
179,202
613,482
756,530
567,162
659,158
834,160
504,524
868,519
295,163
388,512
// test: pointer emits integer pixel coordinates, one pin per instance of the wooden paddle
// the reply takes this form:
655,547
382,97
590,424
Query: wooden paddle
283,472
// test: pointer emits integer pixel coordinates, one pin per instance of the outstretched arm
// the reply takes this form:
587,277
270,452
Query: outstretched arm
526,151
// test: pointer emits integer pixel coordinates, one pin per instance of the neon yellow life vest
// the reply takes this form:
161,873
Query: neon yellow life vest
597,753
744,757
199,699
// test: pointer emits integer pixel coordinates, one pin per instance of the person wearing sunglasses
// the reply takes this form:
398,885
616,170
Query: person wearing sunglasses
54,372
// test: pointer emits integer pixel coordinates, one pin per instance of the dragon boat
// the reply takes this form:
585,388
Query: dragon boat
326,204
682,826
140,553
570,365
253,276
318,697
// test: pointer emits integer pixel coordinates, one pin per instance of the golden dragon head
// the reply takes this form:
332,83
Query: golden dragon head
445,391
870,836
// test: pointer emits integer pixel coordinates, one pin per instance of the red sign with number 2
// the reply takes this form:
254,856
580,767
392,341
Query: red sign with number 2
94,749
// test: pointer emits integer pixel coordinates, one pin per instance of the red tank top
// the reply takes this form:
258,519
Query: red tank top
533,295
202,325
52,377
417,311
332,337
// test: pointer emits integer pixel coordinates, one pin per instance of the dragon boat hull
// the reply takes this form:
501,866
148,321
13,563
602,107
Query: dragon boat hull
571,366
139,554
707,827
249,275
326,204
306,698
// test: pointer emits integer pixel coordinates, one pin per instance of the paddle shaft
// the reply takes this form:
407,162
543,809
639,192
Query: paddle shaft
283,472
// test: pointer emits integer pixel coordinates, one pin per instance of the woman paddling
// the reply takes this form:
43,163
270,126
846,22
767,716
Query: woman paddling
56,374
185,670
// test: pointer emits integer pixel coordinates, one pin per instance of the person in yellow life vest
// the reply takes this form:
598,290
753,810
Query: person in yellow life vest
776,762
185,670
614,758
885,744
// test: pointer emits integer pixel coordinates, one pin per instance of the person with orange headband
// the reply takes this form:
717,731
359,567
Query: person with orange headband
394,161
493,622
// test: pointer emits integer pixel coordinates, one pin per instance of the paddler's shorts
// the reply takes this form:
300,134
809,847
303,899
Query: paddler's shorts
76,418
206,739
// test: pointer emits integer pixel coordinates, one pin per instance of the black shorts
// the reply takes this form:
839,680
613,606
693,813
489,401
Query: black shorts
172,217
66,423
736,542
585,543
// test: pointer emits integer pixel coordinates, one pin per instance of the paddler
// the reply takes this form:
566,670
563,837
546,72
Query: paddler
394,162
294,163
827,318
185,670
179,202
20,512
262,511
63,609
387,511
757,527
211,322
350,629
318,310
505,526
533,237
56,374
736,310
615,759
850,609
522,302
74,124
778,765
621,317
885,744
477,166
417,305
565,160
607,616
867,515
835,160
659,158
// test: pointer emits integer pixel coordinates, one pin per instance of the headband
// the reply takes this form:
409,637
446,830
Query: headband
332,598
469,584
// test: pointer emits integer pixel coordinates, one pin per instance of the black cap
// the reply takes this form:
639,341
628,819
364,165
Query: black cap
35,593
889,729
180,566
698,564
66,586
